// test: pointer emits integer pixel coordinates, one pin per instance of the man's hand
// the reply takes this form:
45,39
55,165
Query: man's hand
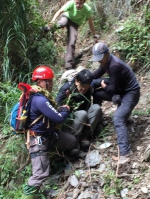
67,93
64,108
103,85
96,38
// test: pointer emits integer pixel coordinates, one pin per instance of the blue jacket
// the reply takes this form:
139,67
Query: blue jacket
41,105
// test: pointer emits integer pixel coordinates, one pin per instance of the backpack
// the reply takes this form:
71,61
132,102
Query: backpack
20,124
69,75
19,117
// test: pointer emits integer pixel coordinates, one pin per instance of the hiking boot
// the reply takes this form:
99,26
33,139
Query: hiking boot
82,154
74,152
85,143
53,27
124,159
46,29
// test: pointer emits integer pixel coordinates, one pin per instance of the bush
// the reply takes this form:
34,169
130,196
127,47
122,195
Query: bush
134,40
22,39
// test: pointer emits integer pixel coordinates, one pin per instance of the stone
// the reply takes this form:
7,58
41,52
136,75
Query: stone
124,192
144,189
93,158
105,145
73,180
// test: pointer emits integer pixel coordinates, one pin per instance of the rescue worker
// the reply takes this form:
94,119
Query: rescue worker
121,87
45,133
86,116
73,14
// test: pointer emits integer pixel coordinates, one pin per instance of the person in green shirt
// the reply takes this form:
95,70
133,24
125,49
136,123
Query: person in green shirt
72,15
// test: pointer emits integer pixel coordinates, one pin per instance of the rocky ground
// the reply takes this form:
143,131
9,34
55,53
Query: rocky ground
96,175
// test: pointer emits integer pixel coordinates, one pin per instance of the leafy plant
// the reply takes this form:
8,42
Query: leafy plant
134,40
104,132
23,44
136,180
113,185
9,178
9,95
141,112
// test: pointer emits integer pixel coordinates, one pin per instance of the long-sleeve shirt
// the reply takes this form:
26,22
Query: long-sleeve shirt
121,77
41,105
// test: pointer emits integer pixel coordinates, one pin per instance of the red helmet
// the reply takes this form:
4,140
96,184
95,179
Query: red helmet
42,72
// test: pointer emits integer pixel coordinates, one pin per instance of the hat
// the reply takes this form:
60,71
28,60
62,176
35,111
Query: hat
99,50
84,77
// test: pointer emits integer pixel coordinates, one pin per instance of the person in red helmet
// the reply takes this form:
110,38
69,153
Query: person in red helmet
45,134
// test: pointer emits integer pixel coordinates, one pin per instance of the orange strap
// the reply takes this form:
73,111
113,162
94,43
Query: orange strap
32,133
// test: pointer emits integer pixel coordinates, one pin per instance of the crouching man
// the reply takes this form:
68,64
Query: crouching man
45,133
85,116
121,87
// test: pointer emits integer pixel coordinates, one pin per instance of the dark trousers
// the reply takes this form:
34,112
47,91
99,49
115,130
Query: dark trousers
72,32
128,101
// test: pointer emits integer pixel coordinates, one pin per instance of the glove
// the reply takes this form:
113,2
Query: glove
116,99
63,109
46,29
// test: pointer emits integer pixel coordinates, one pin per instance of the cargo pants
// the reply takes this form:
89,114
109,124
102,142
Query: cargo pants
39,154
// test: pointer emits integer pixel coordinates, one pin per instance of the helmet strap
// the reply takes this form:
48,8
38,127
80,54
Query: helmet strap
46,85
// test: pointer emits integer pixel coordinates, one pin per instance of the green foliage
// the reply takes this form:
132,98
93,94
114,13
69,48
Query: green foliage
134,39
13,155
15,193
105,132
136,180
141,112
22,43
77,173
99,15
9,95
113,185
43,51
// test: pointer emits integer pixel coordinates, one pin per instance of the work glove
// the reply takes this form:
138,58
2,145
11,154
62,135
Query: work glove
116,99
63,109
46,29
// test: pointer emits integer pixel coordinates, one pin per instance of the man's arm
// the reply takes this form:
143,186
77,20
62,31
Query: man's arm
91,26
62,96
115,80
99,72
57,14
46,108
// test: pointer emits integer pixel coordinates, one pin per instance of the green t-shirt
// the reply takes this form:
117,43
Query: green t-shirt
77,16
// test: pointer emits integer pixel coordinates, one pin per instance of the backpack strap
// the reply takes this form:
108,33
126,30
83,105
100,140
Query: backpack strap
37,119
28,132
